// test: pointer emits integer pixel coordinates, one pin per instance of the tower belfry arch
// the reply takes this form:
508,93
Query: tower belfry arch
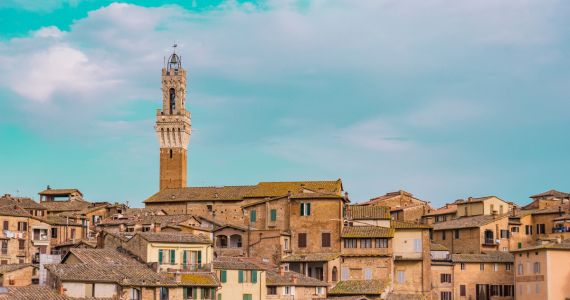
173,127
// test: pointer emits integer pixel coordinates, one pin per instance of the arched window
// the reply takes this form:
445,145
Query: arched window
172,100
334,274
489,237
235,241
222,241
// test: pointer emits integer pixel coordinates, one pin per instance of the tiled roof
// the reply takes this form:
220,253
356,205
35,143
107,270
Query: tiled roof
32,292
368,212
207,193
13,212
408,225
564,245
60,220
447,209
475,199
387,196
274,189
310,257
553,193
358,287
102,256
179,237
199,279
563,217
59,192
405,296
438,247
164,220
367,232
68,205
90,243
25,203
12,267
491,257
467,222
290,278
124,275
234,263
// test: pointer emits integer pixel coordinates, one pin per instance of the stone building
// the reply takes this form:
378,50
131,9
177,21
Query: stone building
16,274
403,206
445,213
57,201
548,198
441,272
488,205
542,271
288,285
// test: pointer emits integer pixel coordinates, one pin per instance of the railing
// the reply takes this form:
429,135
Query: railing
560,229
489,242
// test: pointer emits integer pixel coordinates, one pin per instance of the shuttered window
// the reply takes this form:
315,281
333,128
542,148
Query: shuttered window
254,276
252,216
273,215
305,209
172,256
302,240
326,239
160,256
223,276
240,276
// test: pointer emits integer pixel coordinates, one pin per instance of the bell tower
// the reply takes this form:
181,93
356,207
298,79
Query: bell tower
173,125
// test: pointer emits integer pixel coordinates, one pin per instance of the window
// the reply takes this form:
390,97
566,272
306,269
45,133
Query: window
536,268
163,293
287,290
6,225
172,256
135,294
146,228
271,290
172,100
222,241
319,290
72,233
508,290
537,290
496,290
445,278
367,273
443,235
223,276
482,267
326,239
401,277
22,226
247,297
345,271
365,243
349,243
520,270
540,229
302,240
21,244
54,233
462,290
252,215
456,233
528,229
445,295
4,247
208,293
495,267
417,245
190,293
508,267
305,209
462,266
273,215
334,274
381,243
515,229
286,244
249,276
504,234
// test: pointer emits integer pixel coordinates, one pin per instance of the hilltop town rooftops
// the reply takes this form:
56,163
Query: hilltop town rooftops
467,222
238,193
32,292
552,193
235,263
67,205
101,256
164,220
491,257
408,225
124,275
563,245
59,192
199,279
22,202
290,278
310,257
368,212
447,209
358,287
367,232
179,237
391,195
14,211
12,267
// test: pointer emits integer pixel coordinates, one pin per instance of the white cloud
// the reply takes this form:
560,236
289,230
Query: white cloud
48,32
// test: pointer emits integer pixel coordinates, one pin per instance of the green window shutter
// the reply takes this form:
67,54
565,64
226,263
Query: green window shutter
253,276
185,257
160,254
172,256
252,216
247,297
223,276
199,257
308,209
273,214
240,276
219,296
203,293
302,206
194,293
185,293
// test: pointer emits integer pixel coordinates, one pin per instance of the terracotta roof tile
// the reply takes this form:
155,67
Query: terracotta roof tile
24,203
564,245
438,247
12,267
179,237
57,192
207,193
447,209
32,292
367,232
358,287
274,189
68,205
553,193
309,257
368,212
102,256
199,279
290,278
235,263
492,257
408,225
467,222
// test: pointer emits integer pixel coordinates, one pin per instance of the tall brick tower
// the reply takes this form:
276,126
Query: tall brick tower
173,125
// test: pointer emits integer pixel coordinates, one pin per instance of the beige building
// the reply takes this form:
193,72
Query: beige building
240,279
543,271
488,205
16,274
287,285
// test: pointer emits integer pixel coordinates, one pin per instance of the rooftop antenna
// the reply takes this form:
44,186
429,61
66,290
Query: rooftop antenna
174,47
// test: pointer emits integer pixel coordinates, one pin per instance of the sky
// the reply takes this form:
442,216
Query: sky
444,99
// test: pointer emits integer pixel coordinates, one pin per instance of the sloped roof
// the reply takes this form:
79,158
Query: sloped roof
408,225
57,192
32,292
447,209
22,202
309,257
274,189
105,256
367,232
358,287
68,205
60,220
290,278
491,257
368,212
564,245
206,193
467,222
391,195
199,279
178,237
14,212
234,263
12,267
438,247
553,193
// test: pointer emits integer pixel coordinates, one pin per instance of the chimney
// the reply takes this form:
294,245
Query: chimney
156,227
48,187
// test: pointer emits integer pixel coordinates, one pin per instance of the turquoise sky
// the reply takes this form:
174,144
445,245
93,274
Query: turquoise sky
445,99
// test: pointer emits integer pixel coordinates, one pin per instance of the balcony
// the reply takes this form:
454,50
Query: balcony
408,256
490,242
188,267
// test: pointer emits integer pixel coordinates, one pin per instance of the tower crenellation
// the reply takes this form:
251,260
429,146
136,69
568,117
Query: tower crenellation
173,127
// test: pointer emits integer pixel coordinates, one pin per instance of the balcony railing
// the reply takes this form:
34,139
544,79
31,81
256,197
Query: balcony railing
489,242
560,229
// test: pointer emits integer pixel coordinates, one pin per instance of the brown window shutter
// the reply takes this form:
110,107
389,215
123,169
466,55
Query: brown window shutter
302,240
326,239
